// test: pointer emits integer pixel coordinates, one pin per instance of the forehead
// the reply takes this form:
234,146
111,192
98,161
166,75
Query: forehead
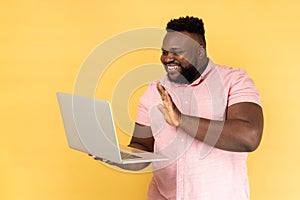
179,40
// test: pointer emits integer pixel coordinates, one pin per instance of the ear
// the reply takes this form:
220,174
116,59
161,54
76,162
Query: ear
201,52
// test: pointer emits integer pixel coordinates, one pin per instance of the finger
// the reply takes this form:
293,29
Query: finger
167,100
111,163
93,156
96,158
101,159
161,108
168,97
163,92
160,88
108,162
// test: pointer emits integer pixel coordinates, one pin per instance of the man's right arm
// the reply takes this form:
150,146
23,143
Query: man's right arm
142,138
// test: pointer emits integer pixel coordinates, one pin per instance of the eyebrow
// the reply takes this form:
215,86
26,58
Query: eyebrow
172,49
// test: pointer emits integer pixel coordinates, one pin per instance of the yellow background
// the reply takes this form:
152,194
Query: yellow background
43,43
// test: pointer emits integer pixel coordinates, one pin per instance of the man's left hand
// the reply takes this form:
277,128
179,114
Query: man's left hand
171,113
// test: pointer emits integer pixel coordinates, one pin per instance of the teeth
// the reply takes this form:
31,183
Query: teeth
172,67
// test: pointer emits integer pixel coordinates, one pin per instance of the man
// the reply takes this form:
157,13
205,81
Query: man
212,118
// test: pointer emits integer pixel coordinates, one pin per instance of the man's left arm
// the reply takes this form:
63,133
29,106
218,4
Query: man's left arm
240,132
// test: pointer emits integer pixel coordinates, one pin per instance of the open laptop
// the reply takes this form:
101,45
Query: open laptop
89,128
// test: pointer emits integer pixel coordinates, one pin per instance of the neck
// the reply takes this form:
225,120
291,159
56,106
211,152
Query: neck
200,71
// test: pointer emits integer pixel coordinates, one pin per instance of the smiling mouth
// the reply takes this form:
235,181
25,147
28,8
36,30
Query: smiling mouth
172,68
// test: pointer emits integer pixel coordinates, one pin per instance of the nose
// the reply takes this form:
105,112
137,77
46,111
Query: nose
169,57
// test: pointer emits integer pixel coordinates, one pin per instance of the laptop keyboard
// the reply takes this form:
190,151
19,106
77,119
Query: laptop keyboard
125,155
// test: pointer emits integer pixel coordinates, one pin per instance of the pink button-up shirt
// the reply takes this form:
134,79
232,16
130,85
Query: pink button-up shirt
196,170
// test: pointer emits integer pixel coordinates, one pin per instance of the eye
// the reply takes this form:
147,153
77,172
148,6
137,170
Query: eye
178,53
164,53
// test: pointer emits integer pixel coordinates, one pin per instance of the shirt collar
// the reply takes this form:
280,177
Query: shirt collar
203,74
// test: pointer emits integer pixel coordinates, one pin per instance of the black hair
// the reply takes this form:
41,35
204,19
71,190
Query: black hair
188,24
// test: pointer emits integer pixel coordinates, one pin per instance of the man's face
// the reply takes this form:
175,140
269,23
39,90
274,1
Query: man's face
180,56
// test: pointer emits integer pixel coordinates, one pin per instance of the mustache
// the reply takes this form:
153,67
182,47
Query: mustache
172,62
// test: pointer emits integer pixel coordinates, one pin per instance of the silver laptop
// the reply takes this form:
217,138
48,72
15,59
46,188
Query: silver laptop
89,128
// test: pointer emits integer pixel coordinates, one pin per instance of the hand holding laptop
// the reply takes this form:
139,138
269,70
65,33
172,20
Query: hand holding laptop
131,167
89,128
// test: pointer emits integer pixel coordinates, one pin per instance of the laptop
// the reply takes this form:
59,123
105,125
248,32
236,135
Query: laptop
89,128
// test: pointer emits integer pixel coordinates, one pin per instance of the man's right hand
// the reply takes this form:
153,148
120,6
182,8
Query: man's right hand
131,167
102,160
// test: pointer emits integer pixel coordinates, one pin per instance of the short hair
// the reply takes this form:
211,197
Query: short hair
188,24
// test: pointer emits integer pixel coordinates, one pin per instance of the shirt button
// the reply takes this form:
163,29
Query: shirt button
180,179
182,140
186,102
180,159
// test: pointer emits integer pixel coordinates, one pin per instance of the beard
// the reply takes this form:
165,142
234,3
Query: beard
187,75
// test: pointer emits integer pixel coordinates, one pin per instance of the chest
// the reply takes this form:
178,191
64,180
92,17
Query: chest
203,100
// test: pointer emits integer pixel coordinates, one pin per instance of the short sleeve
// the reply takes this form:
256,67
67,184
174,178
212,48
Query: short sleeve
242,89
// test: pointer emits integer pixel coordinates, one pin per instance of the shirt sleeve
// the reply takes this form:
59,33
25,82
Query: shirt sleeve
143,116
242,89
